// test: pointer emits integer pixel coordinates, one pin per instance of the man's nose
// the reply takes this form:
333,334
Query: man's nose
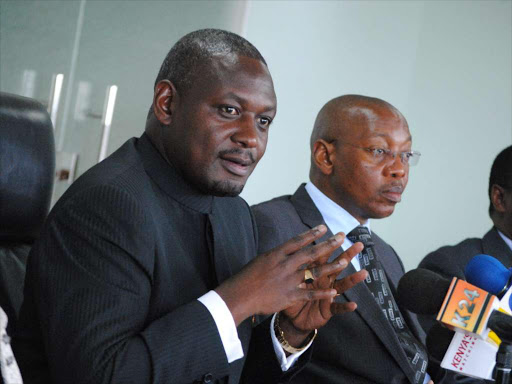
396,168
246,133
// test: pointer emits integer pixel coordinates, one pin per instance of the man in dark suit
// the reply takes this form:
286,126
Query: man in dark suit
360,158
451,261
140,272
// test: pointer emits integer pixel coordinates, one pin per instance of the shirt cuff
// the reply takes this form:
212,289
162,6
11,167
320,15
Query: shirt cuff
225,325
285,362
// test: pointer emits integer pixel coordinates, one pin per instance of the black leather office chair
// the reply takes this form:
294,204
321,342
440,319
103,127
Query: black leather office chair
27,166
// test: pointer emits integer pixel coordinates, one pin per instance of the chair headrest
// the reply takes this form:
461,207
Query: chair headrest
27,166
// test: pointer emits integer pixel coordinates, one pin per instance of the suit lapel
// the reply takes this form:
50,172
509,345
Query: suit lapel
367,307
234,242
493,244
371,313
308,212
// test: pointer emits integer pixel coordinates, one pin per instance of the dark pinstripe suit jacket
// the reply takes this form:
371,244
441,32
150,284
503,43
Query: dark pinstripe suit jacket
112,282
359,347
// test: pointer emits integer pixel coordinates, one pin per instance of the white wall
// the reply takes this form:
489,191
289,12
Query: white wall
445,64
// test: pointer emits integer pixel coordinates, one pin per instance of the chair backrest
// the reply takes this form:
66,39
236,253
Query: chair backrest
27,166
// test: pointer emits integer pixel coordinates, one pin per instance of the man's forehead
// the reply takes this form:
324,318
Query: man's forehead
360,113
405,136
349,121
367,121
365,113
241,79
234,64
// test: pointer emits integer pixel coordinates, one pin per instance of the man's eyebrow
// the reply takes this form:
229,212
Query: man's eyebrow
387,135
241,100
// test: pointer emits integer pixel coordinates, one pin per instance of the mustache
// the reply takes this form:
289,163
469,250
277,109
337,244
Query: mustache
246,154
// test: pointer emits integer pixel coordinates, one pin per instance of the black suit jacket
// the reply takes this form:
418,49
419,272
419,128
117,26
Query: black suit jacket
359,347
111,287
451,261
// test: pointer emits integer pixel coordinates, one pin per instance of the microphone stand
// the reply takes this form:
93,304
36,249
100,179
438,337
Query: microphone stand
501,324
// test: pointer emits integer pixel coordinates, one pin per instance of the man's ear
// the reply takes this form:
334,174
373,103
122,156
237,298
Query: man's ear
323,156
165,100
498,198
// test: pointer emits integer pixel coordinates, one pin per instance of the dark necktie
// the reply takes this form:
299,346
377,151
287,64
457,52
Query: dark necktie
378,285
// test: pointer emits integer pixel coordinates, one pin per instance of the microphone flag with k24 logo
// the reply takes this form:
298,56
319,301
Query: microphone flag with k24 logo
467,308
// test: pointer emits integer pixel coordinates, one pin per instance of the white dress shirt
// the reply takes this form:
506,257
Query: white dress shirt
506,239
336,218
8,367
229,335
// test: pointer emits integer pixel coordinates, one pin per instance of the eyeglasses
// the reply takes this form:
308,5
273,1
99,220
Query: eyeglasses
382,155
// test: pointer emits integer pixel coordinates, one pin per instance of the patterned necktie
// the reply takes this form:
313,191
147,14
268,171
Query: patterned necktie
378,285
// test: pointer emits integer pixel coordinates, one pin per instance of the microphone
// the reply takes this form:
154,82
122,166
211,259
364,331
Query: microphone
422,291
462,353
488,273
458,304
438,341
467,309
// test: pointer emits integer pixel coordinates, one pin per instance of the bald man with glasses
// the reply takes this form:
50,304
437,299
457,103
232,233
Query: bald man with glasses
361,151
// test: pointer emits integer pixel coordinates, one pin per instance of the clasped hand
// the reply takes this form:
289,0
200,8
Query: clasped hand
274,282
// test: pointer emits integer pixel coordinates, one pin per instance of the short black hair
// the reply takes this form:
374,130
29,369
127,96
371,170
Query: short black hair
501,173
197,48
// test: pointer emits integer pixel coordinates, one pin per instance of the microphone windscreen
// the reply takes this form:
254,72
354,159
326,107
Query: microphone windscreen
422,291
488,273
438,341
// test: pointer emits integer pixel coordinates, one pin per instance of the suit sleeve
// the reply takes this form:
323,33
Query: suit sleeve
441,262
92,289
262,365
269,231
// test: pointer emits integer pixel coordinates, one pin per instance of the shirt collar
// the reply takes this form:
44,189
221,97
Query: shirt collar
505,239
167,177
336,218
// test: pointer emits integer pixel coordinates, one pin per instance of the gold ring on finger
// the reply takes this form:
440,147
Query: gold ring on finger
308,276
